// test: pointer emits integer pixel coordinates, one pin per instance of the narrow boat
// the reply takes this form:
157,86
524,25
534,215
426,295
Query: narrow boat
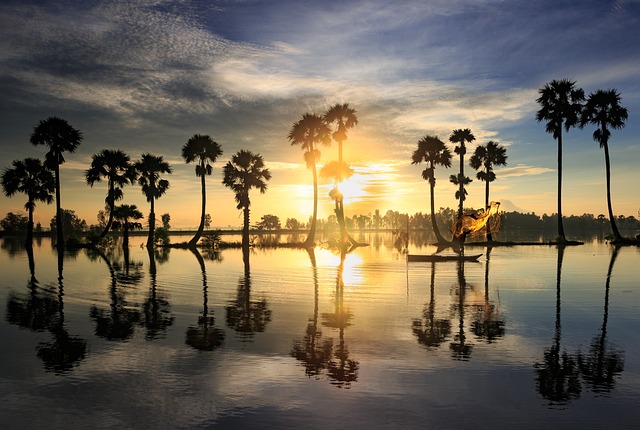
439,257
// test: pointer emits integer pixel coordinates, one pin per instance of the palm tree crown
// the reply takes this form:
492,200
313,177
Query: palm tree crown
434,152
560,106
114,166
150,167
30,177
203,150
603,109
57,134
461,137
246,170
345,118
487,156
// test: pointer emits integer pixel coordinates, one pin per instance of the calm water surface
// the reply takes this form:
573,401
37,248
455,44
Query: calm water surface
528,337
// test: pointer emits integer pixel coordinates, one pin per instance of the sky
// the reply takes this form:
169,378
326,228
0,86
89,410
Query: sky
146,75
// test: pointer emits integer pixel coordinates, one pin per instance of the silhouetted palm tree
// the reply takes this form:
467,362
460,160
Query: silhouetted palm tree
203,150
246,170
60,137
487,156
461,137
124,214
603,110
150,167
114,166
338,171
561,104
345,118
309,132
434,152
29,176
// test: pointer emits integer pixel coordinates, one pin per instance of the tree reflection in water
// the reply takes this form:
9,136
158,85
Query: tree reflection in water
558,376
343,371
247,317
118,323
460,350
434,331
602,364
204,336
488,324
313,351
43,309
156,310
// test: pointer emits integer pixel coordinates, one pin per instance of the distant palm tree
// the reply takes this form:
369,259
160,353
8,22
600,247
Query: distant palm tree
487,156
29,176
561,104
203,150
114,166
461,137
246,170
60,137
434,152
124,214
603,110
150,167
309,132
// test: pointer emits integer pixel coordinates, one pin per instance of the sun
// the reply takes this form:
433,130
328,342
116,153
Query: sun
353,189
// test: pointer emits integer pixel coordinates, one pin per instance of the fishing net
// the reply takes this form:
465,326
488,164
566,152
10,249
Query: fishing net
479,222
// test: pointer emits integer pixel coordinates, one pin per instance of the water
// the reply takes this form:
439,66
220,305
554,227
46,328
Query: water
528,337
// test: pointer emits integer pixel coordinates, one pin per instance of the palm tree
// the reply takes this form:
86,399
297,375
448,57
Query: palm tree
203,150
30,177
150,167
434,152
309,132
114,166
487,156
345,118
603,110
246,170
124,214
339,172
461,137
561,104
60,137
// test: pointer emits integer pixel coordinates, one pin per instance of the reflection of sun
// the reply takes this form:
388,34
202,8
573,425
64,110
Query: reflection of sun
352,275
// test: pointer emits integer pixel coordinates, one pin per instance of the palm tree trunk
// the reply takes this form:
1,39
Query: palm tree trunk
312,231
196,238
560,226
461,187
486,205
112,203
152,224
245,227
28,242
60,237
434,223
125,235
614,227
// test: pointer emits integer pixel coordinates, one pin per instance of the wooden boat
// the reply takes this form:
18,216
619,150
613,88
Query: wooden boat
442,257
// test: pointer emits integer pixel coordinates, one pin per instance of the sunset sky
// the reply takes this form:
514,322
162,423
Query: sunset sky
145,75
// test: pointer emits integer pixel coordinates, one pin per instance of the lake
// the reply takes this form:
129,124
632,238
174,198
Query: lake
527,337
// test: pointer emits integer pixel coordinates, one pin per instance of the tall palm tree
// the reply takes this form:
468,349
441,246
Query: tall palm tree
339,172
114,166
561,104
487,156
309,132
461,137
246,170
203,150
434,152
124,214
603,110
57,134
150,167
345,118
29,176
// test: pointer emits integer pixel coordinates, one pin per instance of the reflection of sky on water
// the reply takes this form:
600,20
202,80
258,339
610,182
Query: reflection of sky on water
164,381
